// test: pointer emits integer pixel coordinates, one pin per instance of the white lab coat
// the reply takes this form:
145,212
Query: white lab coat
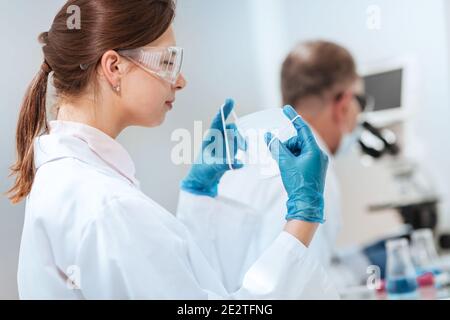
91,233
267,196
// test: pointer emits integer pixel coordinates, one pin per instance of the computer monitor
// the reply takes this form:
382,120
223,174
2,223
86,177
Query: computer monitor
385,88
393,84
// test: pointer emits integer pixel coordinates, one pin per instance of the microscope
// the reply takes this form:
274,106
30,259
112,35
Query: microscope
417,202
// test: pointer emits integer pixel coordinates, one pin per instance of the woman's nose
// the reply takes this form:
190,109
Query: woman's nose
181,82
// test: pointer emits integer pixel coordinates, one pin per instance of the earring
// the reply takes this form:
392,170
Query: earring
117,88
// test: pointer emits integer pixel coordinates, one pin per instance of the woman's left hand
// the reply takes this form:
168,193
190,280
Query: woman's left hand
212,163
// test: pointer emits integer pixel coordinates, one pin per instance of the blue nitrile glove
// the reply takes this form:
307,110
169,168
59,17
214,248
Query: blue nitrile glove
212,163
303,167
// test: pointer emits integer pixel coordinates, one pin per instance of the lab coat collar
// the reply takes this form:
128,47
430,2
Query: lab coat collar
86,143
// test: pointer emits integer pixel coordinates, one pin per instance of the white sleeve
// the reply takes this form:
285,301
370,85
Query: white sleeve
136,250
224,230
286,271
128,252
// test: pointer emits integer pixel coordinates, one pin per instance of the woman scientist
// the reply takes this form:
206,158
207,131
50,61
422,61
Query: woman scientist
89,231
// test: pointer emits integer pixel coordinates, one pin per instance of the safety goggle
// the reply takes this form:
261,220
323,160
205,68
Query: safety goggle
366,102
164,62
252,129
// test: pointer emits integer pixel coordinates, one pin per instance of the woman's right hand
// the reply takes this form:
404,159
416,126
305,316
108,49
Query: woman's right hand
303,167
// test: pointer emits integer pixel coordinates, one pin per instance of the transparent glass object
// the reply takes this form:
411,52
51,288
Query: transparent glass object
400,275
424,252
253,128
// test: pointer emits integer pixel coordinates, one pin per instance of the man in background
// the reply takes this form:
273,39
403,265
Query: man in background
319,79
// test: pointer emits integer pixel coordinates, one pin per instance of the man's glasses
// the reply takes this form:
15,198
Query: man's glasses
366,102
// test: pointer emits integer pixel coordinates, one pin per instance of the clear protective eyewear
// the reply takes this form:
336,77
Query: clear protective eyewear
253,128
166,62
226,137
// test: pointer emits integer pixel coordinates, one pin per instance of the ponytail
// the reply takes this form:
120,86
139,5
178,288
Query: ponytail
32,123
73,57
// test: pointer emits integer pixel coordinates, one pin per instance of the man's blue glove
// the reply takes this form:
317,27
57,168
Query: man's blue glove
303,169
212,163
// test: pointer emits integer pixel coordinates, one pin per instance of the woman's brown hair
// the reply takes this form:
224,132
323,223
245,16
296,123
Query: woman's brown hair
72,53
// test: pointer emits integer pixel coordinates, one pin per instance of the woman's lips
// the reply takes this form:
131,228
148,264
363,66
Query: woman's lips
170,104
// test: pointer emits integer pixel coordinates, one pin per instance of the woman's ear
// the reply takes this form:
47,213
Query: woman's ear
111,68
